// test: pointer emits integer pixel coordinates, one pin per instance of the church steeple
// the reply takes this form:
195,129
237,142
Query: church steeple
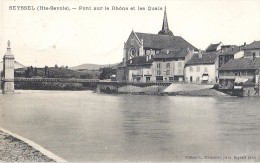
165,28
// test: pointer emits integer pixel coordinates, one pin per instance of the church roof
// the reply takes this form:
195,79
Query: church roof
156,41
165,27
172,54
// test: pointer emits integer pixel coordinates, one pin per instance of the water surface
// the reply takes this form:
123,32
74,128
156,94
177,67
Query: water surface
85,126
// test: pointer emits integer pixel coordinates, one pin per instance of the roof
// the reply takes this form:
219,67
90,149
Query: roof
232,50
173,54
157,41
241,64
253,45
165,28
213,47
121,64
140,60
207,58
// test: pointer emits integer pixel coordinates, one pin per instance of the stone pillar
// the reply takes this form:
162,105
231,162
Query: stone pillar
8,71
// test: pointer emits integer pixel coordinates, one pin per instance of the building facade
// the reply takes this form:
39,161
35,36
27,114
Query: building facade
241,70
233,52
202,68
154,57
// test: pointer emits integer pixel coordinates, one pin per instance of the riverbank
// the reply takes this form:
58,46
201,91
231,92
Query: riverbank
172,90
14,148
199,93
202,92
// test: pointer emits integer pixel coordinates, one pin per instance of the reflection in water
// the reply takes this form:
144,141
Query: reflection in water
85,126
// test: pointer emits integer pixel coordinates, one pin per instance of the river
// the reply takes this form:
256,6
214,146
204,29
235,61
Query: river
87,126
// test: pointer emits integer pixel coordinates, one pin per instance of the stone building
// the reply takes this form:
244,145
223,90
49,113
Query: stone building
242,71
233,52
151,57
239,71
202,68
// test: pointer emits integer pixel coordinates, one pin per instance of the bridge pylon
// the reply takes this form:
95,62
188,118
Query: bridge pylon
8,71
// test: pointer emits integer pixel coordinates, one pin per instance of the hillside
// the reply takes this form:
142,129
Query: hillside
52,72
92,66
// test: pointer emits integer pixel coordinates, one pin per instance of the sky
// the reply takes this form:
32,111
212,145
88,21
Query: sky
76,37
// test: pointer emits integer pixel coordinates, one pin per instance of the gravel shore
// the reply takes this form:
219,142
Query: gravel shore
15,150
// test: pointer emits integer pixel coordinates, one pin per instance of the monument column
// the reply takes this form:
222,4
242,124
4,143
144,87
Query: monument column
8,71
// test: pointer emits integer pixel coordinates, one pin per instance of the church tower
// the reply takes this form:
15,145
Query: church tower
165,28
8,70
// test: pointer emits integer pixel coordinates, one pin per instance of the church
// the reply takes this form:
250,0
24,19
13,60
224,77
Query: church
154,57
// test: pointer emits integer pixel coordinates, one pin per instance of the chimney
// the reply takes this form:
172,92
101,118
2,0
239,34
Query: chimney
244,43
142,48
200,54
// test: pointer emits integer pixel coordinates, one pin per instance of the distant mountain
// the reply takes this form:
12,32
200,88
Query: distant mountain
92,66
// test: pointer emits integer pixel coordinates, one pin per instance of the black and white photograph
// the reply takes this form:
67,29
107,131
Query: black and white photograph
130,81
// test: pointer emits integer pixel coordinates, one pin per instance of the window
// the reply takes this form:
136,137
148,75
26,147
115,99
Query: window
168,72
132,52
159,78
168,65
158,65
179,64
198,68
147,52
132,42
170,78
191,69
205,69
148,79
152,52
158,72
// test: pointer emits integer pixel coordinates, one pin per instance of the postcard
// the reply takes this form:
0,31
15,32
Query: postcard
129,81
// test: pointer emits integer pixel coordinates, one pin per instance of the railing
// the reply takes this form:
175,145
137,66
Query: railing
56,80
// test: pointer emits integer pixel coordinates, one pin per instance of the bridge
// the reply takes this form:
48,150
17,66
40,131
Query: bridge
8,81
98,85
63,80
